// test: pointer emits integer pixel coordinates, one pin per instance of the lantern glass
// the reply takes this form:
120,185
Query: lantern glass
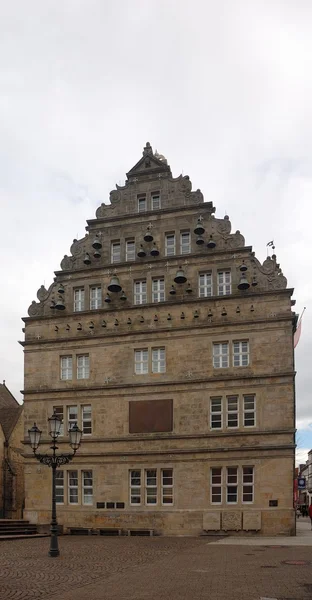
34,435
55,424
75,437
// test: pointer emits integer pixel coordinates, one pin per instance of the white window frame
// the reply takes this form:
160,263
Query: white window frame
115,252
216,487
158,289
150,487
248,483
83,366
205,285
170,244
158,360
216,411
59,411
185,242
166,477
142,203
66,365
72,476
72,416
221,355
141,361
241,353
249,410
130,250
224,283
86,488
232,411
135,488
232,484
140,292
155,201
59,486
86,419
79,299
95,297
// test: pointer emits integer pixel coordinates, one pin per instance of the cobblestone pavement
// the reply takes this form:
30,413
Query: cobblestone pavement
103,568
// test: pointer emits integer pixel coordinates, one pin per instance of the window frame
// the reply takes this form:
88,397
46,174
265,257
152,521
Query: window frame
224,284
85,475
216,413
72,420
79,299
218,485
218,356
67,369
73,487
232,412
166,489
115,256
83,370
205,286
140,199
141,294
248,484
153,196
141,364
253,411
128,257
59,486
158,294
185,248
241,354
59,411
150,490
167,247
231,484
159,360
136,487
85,420
95,297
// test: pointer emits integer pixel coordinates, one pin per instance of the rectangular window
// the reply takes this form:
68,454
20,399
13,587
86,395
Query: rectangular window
216,485
95,297
83,368
205,285
72,487
167,486
79,303
240,354
231,485
232,411
72,416
216,413
224,283
158,290
86,418
151,486
155,200
87,487
249,411
135,487
140,295
141,362
130,250
59,411
66,367
221,355
142,207
115,252
248,484
170,244
59,486
185,242
158,360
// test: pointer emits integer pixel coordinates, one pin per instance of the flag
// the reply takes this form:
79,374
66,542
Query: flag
270,243
297,334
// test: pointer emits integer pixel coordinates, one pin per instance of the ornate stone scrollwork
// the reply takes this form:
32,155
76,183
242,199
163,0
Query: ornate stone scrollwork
67,263
42,293
35,309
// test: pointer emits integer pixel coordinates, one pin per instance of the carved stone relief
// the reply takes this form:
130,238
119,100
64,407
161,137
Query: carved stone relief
252,520
212,521
232,520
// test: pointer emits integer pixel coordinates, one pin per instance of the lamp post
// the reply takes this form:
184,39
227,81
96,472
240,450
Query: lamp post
54,460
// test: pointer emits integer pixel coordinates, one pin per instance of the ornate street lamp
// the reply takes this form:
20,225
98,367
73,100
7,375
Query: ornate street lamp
54,460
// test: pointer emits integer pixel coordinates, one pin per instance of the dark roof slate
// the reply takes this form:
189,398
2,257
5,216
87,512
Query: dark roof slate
10,411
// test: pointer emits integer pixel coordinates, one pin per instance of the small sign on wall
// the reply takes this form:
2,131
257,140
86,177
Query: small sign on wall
273,502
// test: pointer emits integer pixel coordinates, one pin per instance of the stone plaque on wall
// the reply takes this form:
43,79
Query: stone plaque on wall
231,520
252,520
212,521
150,416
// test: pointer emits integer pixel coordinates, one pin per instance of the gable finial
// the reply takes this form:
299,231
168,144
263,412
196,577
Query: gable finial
147,149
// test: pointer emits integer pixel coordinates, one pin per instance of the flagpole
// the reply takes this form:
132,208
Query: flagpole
304,309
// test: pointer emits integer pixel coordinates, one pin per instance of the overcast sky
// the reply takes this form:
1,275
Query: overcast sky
222,89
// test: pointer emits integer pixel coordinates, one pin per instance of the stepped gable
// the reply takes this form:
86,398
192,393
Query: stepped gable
10,411
153,174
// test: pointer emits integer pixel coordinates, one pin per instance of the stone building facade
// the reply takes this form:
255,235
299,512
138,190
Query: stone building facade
171,345
11,456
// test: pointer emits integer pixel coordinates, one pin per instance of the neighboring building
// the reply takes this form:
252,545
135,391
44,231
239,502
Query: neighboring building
11,459
171,345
